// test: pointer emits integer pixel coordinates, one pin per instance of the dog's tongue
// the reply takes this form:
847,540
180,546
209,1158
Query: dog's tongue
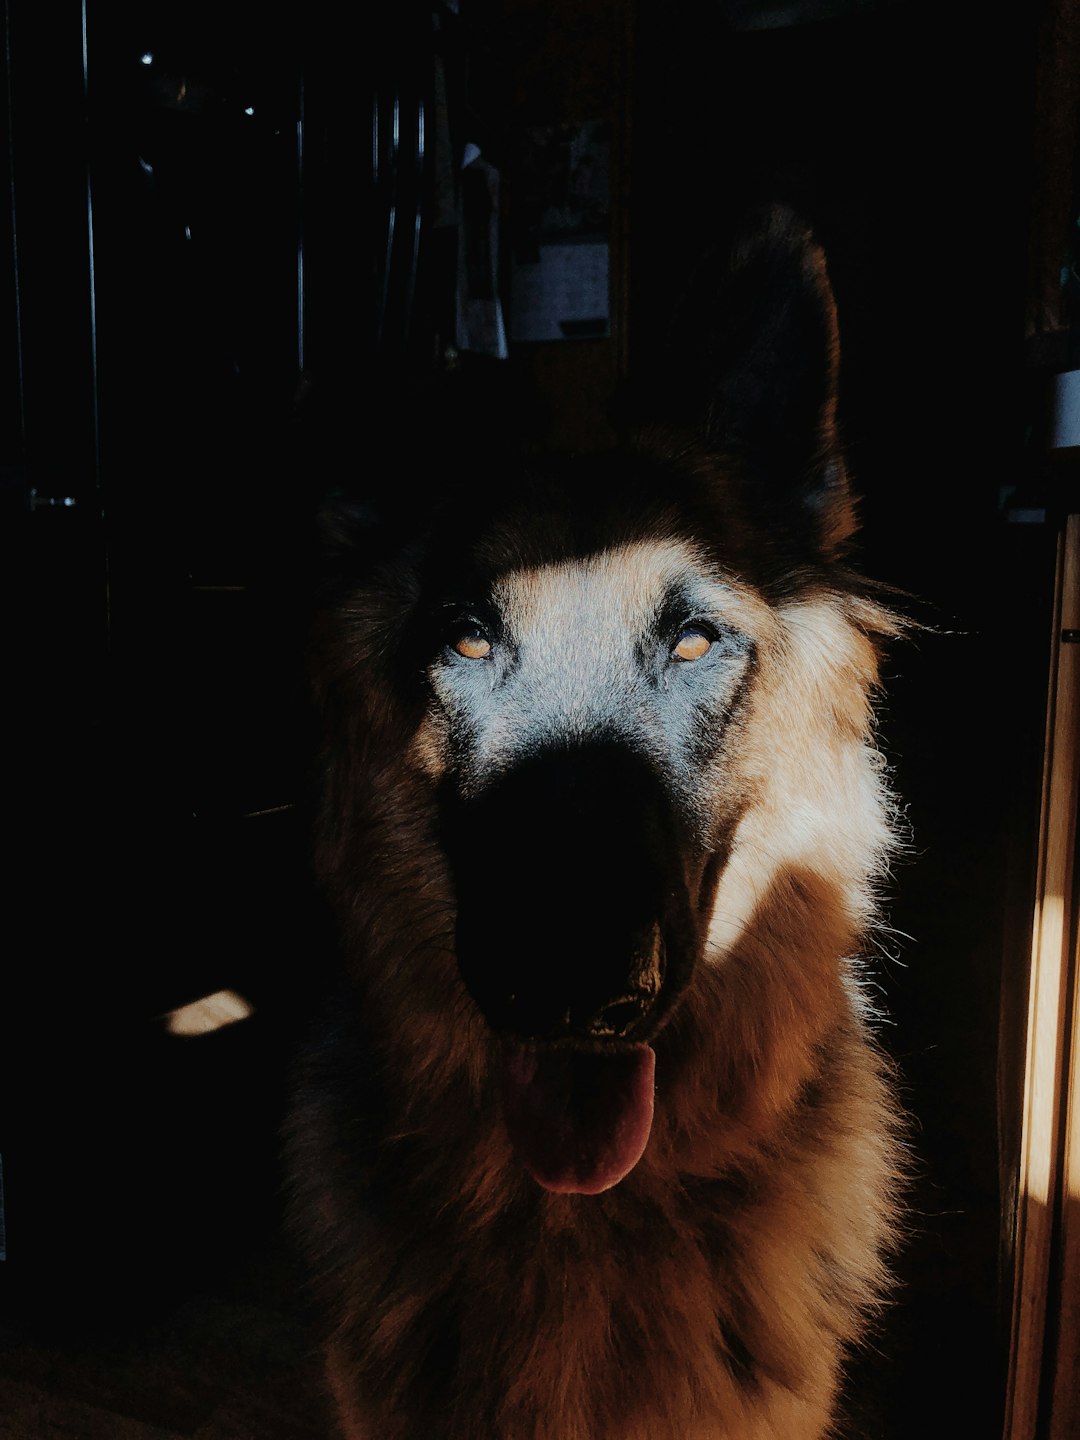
579,1122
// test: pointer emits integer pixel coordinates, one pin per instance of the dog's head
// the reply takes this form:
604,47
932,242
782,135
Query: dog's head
629,683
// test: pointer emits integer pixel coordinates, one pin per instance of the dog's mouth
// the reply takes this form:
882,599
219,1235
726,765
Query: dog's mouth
579,1121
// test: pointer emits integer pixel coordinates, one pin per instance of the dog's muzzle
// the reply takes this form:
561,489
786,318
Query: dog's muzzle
575,935
575,925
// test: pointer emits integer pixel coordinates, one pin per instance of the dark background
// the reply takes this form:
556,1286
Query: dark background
206,333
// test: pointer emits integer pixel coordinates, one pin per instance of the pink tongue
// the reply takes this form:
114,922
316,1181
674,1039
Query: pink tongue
579,1122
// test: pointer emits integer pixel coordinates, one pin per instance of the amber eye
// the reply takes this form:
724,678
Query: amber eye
692,643
473,644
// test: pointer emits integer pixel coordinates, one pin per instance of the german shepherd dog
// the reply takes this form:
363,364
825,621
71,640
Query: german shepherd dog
597,1143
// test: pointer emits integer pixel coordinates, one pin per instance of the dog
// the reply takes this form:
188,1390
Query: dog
596,1140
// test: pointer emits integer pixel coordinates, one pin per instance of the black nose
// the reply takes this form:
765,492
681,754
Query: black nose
619,1019
625,1016
537,1010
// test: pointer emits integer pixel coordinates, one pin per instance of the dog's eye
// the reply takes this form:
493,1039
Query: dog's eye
471,642
691,643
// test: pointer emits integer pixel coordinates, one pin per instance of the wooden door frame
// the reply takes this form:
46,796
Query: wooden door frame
1043,1393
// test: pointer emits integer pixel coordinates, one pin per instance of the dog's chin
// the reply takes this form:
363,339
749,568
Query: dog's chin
579,1120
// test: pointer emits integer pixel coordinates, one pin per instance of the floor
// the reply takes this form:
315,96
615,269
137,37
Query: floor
229,1363
149,1291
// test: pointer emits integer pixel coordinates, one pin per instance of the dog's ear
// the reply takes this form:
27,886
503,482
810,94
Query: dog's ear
751,369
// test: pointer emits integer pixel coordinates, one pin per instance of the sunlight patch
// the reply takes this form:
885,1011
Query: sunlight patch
212,1012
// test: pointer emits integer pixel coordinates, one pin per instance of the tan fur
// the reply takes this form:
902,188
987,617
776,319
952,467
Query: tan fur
811,763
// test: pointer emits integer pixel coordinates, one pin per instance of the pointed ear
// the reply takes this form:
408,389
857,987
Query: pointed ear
752,369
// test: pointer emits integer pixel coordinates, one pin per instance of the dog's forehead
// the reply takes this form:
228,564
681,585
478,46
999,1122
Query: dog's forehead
623,587
626,580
